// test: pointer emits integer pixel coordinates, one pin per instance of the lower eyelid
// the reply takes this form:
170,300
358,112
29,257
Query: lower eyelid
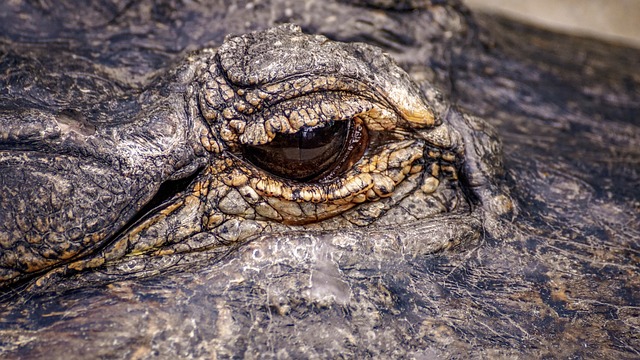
375,176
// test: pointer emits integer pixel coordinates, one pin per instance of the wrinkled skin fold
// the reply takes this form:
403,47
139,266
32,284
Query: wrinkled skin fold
410,164
426,245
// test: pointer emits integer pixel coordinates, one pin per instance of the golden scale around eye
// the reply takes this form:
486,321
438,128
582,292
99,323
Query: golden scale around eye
255,116
371,177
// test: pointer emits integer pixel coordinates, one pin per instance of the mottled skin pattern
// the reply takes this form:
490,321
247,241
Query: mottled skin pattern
221,265
196,120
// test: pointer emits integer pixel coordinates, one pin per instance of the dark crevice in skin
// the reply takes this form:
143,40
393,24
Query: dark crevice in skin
166,192
14,290
470,196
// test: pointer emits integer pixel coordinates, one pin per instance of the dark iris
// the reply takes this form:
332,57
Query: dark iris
304,155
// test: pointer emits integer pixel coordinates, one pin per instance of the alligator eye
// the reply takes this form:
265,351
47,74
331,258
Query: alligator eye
311,153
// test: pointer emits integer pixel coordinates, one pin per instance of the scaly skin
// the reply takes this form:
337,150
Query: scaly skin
559,280
244,93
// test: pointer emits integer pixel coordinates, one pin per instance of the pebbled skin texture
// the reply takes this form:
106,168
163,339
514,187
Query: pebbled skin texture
72,177
551,274
196,118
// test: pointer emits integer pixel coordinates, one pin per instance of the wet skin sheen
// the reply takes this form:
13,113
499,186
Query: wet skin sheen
466,187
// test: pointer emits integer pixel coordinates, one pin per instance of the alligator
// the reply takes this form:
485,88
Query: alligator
381,179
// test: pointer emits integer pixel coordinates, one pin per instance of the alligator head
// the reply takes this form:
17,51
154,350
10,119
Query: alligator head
287,132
